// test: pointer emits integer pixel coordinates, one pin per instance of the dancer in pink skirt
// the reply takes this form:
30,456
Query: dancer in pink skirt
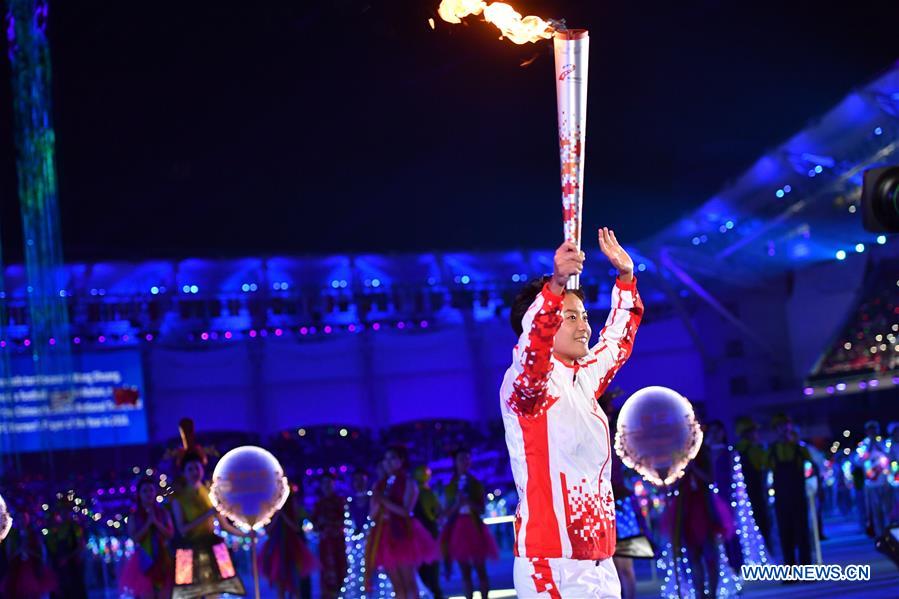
150,571
285,560
698,519
398,543
465,538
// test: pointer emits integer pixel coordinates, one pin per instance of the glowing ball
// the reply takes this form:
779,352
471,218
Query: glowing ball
5,520
248,486
657,434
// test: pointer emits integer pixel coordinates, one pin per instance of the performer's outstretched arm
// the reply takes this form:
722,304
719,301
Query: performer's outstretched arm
616,339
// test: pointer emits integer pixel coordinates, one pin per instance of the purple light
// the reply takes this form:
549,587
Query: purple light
327,329
401,325
278,332
100,491
862,385
149,337
112,491
2,343
101,339
76,340
351,328
52,341
27,342
308,471
228,334
895,380
376,326
204,336
841,386
303,330
252,333
122,490
125,337
873,383
424,324
830,390
343,468
808,391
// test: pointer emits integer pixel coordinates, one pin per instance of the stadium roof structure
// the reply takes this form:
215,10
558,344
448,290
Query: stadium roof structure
798,204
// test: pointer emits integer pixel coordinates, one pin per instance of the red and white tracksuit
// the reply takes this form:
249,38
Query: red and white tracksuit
560,449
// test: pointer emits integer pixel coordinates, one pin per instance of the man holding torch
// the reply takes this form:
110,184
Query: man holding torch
556,432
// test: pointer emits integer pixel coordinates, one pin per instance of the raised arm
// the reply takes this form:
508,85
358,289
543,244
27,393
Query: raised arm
532,363
616,339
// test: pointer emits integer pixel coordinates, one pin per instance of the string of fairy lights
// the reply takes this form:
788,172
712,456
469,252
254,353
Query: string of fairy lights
677,571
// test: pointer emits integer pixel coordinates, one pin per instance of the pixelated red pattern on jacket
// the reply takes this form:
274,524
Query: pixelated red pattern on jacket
589,520
530,396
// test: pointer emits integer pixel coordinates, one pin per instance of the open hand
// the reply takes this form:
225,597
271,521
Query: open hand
619,258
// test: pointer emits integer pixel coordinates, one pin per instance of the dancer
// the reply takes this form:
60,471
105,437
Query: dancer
328,519
787,463
149,572
557,435
465,539
754,459
871,455
28,576
696,519
427,510
359,515
398,543
359,507
203,564
66,544
285,559
722,461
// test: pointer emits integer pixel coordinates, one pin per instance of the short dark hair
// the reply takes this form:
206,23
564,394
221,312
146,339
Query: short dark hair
401,452
526,297
192,455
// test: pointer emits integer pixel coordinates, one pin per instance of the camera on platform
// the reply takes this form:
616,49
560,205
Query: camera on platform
880,200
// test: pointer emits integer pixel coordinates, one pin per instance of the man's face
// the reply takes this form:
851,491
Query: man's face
572,341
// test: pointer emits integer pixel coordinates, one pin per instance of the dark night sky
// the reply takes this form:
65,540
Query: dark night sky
238,128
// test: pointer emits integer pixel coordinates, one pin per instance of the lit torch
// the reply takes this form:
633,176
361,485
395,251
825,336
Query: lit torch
571,53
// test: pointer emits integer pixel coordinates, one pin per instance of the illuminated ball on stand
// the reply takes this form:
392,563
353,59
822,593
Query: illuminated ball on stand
657,434
5,520
249,486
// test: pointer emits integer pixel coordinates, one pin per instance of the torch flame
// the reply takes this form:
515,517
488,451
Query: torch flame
516,28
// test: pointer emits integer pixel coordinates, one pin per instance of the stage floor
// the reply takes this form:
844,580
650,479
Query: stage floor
845,545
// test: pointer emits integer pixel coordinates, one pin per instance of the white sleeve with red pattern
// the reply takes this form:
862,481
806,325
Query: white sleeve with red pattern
532,361
616,340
